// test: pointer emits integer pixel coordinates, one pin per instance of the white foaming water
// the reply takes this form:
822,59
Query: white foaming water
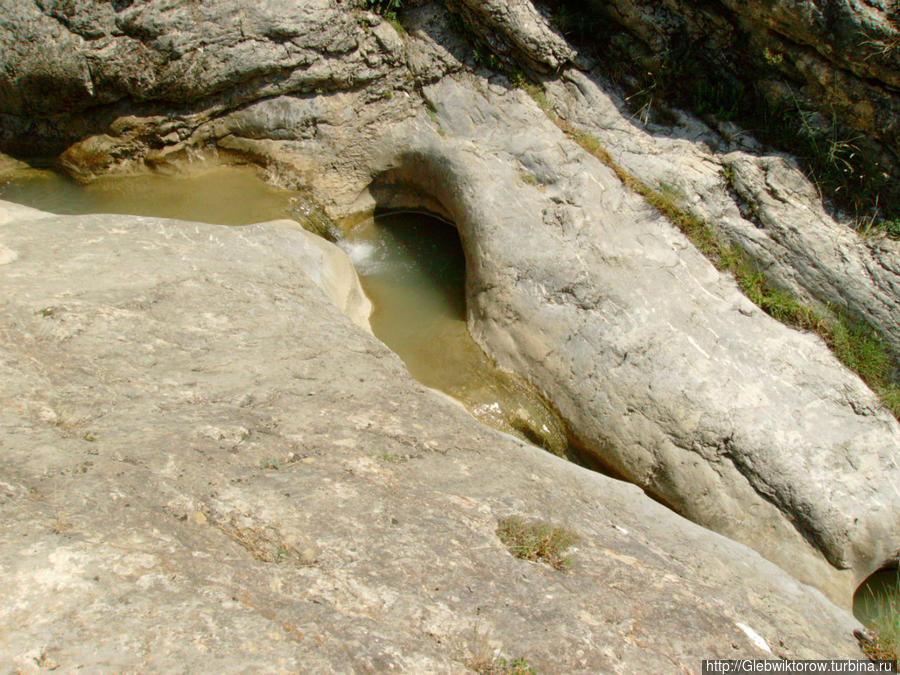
363,254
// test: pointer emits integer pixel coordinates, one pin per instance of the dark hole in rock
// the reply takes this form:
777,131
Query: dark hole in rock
413,268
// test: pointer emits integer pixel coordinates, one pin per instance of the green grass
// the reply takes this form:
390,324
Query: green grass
855,343
774,302
394,20
886,627
486,58
389,10
432,115
859,347
501,666
539,96
383,7
528,179
536,540
890,227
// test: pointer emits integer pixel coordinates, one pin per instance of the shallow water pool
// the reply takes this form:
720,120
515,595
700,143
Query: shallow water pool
224,195
413,269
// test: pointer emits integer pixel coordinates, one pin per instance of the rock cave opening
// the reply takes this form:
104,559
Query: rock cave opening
412,265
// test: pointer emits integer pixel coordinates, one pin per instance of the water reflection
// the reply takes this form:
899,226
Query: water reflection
224,195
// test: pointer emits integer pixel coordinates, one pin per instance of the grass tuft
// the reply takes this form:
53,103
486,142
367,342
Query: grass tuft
890,227
539,96
432,115
536,540
501,666
859,347
885,627
778,304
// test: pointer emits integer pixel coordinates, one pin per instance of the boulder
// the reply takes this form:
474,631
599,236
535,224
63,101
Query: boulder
664,371
207,466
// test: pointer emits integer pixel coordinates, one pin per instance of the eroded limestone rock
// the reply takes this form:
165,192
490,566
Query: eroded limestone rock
205,464
766,207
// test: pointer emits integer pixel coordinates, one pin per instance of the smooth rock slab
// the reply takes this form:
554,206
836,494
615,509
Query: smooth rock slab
665,372
204,465
768,208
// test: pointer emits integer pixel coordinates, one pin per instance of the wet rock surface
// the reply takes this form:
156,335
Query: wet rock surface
206,464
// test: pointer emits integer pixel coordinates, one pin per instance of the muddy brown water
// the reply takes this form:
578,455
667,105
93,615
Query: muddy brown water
232,195
412,267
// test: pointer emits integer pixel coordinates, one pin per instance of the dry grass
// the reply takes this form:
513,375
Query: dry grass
536,540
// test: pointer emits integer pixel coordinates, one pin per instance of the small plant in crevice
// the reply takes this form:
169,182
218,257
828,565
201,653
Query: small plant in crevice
516,78
883,643
384,7
501,666
773,59
728,176
539,96
486,58
872,225
536,540
389,9
529,179
479,656
774,302
890,227
432,115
